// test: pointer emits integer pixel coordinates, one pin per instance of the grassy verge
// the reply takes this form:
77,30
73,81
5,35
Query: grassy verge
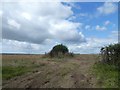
12,71
107,75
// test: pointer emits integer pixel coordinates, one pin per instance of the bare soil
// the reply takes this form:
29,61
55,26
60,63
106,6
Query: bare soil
56,73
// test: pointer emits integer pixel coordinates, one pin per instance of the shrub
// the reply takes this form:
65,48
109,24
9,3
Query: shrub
111,54
58,50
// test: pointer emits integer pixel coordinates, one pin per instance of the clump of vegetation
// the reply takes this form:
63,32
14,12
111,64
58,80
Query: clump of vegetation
107,75
107,70
111,54
60,51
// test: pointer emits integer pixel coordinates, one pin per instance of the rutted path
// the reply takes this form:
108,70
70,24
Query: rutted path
69,73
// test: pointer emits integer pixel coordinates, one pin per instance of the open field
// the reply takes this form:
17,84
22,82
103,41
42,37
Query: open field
36,71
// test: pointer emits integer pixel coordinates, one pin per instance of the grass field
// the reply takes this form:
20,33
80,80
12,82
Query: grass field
107,75
15,65
37,71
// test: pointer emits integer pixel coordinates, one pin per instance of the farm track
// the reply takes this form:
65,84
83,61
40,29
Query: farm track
68,73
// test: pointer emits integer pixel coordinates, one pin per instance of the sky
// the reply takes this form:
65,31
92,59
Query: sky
84,27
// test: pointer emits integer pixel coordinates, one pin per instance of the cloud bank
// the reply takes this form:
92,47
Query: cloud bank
36,22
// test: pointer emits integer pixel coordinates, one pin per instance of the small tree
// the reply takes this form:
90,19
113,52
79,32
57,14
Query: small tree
59,50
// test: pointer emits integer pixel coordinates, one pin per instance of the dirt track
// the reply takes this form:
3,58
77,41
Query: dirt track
67,73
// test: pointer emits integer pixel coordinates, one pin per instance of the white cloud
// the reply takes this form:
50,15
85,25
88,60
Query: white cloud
83,14
66,31
73,5
93,45
100,28
13,23
72,18
87,27
26,16
1,12
107,8
80,16
107,22
114,34
13,46
39,21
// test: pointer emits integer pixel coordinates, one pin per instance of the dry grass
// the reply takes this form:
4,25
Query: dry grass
39,71
18,59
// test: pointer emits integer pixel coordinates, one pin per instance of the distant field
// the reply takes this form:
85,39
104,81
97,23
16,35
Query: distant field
36,71
15,65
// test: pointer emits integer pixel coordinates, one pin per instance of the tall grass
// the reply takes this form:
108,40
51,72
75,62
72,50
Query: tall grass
16,65
10,71
107,75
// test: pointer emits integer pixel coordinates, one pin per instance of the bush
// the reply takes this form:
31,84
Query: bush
59,51
111,54
107,70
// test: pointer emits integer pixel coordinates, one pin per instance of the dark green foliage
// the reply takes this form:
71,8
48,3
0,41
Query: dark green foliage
60,48
111,54
60,51
108,69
